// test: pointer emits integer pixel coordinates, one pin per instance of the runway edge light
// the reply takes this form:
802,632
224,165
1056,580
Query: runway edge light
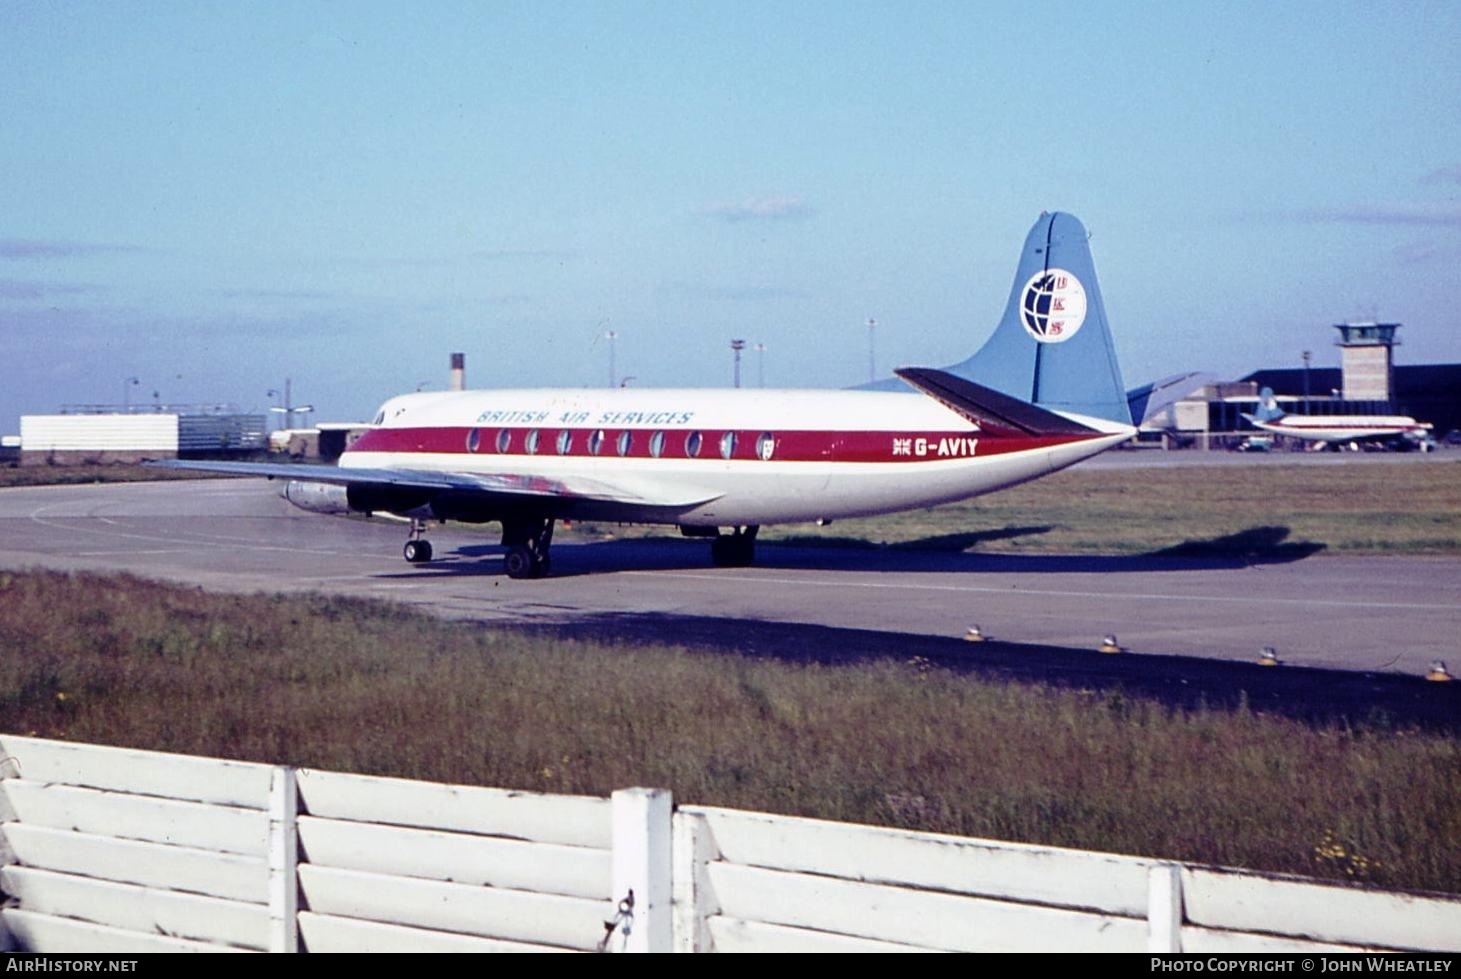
1268,656
1110,645
973,634
1438,673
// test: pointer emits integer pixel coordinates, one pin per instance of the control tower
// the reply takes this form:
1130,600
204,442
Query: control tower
1366,362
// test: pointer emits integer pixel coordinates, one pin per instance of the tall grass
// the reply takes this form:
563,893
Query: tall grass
367,687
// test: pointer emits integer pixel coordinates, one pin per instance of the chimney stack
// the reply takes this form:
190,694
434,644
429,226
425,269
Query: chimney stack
458,372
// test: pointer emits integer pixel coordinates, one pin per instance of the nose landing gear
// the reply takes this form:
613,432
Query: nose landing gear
418,548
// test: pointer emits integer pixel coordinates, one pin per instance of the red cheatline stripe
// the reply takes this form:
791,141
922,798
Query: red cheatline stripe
787,446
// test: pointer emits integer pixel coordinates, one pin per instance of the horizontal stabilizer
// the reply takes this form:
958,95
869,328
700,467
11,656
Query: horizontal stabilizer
989,409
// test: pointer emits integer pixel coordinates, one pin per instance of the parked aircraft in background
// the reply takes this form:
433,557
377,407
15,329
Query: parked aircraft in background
1043,393
1335,430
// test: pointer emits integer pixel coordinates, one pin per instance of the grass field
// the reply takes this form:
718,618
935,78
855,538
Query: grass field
90,473
368,687
1395,507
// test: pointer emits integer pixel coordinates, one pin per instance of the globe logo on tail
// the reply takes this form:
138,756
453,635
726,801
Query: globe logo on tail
1052,306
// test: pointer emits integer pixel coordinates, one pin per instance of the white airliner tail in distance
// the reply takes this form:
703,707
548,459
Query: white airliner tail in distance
1326,431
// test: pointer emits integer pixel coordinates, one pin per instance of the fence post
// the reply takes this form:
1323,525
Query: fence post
283,861
641,866
694,898
8,769
1164,908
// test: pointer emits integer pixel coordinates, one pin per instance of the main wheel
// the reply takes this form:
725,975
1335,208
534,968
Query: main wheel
417,551
521,563
732,551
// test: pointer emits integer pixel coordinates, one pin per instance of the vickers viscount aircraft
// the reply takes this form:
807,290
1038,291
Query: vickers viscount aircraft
1043,393
1334,430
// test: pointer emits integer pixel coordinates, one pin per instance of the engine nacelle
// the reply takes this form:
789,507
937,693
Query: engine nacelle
316,497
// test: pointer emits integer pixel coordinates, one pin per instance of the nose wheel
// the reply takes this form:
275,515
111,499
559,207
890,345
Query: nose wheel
418,548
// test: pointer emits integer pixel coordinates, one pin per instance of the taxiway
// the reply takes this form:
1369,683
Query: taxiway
1375,614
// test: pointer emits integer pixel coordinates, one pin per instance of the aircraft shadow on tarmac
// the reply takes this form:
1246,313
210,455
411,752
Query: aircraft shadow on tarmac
943,554
1309,694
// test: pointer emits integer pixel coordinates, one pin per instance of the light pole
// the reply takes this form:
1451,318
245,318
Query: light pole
127,384
761,365
288,409
611,336
872,363
736,347
1307,356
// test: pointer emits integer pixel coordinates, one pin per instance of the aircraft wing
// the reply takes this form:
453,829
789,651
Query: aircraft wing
504,485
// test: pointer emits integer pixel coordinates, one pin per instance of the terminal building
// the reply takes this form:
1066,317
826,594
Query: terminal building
1367,382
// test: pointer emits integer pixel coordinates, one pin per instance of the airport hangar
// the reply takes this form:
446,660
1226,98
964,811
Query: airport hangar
1367,382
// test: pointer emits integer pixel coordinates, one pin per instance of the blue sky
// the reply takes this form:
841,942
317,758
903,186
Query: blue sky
210,197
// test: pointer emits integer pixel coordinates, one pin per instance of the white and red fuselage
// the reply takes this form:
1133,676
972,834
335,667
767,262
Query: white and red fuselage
1343,428
702,458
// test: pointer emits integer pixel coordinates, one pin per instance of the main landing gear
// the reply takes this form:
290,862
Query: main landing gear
527,542
736,549
418,548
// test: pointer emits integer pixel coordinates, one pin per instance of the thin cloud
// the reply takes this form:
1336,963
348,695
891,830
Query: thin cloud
1424,215
1445,175
17,289
536,254
737,293
1426,253
22,248
786,208
272,294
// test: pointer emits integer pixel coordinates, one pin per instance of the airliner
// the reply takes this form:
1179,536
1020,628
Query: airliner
1043,393
1334,430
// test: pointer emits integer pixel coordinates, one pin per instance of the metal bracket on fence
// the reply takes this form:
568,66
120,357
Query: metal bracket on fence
623,918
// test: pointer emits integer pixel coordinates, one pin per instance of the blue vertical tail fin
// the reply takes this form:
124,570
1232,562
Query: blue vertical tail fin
1053,345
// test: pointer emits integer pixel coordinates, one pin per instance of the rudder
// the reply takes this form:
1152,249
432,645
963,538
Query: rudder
1053,345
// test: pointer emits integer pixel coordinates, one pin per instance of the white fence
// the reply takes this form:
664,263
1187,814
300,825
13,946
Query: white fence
108,849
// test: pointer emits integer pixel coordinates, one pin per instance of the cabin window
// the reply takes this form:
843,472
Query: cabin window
626,442
504,439
692,444
596,442
657,444
765,446
531,443
474,439
728,445
565,442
